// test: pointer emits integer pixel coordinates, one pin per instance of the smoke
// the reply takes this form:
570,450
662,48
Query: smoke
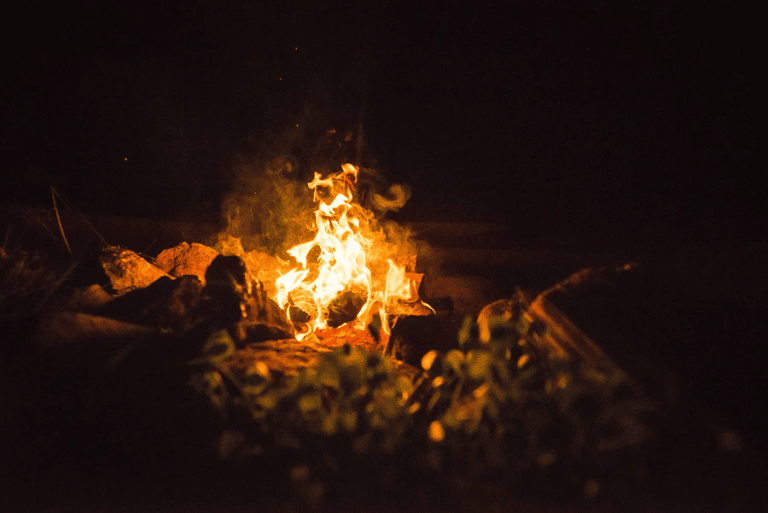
269,207
394,199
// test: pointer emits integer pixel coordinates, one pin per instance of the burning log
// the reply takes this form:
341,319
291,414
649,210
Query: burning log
345,308
468,294
349,271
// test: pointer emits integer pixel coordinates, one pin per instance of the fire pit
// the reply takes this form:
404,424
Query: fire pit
345,367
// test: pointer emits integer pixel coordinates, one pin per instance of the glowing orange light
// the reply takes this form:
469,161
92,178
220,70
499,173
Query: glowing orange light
349,252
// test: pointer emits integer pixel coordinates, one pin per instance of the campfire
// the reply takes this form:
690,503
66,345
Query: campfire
349,272
325,361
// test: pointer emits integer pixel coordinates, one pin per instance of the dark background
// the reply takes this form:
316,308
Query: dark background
592,120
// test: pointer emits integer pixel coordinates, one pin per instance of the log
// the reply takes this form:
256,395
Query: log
596,315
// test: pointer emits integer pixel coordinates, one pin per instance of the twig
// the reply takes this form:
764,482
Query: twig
58,218
82,216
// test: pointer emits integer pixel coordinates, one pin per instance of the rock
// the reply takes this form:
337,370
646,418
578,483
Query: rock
288,357
73,329
87,299
183,306
226,290
165,304
261,266
128,271
230,301
226,271
504,310
186,259
264,268
264,319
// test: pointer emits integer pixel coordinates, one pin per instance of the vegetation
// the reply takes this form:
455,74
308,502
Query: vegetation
497,415
488,413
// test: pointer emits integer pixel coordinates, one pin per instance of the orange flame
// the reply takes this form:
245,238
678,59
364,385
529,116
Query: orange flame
348,254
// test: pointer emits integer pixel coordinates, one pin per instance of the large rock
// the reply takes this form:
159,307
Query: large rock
128,271
186,259
165,304
261,266
81,330
244,306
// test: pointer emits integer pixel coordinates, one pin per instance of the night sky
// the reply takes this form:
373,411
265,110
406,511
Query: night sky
615,118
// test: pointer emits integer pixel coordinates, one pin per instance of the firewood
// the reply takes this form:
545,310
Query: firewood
344,308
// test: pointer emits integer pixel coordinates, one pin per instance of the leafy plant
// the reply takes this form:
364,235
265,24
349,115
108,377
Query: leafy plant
481,411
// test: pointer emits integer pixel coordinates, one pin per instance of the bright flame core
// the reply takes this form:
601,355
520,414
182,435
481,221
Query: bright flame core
352,259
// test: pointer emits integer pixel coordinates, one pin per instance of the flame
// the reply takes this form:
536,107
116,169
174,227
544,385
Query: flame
354,263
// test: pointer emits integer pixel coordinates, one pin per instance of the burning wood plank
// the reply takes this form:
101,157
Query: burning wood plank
357,274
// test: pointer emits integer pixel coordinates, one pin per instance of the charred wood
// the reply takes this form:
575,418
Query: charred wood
344,308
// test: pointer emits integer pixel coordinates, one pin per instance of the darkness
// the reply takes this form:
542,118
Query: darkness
586,125
597,119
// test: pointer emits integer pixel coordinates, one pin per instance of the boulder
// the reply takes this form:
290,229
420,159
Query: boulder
127,271
186,259
164,304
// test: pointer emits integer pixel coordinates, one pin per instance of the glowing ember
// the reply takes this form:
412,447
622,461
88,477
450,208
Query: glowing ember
354,275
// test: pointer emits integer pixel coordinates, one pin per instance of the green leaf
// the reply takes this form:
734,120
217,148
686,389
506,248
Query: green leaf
478,364
348,420
267,401
428,360
522,325
455,360
256,375
356,357
465,332
404,387
218,347
328,371
310,402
